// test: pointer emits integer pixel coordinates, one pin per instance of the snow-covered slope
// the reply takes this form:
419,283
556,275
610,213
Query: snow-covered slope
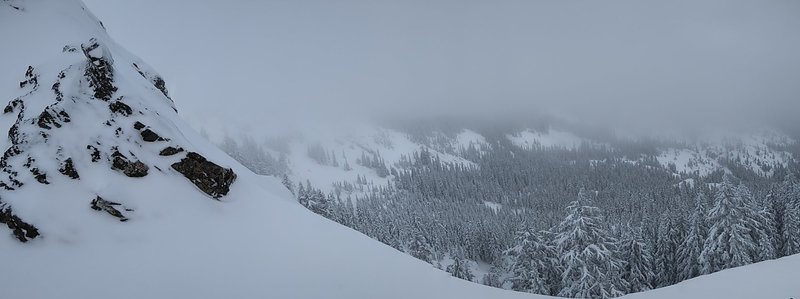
768,279
757,151
348,147
176,242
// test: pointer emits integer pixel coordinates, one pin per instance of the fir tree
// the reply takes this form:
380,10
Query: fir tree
586,253
460,269
638,261
728,243
692,245
536,267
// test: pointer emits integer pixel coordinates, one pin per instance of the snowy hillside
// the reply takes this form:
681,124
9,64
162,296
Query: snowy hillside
173,240
758,152
769,279
109,193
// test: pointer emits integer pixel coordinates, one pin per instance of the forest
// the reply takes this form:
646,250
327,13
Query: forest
592,221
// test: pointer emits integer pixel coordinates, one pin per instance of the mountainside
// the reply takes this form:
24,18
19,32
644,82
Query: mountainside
108,193
180,235
329,160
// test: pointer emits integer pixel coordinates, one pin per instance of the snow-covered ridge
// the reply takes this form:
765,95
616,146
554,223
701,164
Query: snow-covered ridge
85,118
345,152
760,152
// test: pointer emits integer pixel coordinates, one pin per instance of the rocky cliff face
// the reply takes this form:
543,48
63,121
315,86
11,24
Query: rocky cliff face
87,109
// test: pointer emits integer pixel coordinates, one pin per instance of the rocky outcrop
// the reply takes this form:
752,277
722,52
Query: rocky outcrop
132,169
68,168
211,178
169,151
119,107
23,231
99,70
150,136
100,204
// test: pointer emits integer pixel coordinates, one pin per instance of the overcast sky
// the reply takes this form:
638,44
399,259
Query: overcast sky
257,62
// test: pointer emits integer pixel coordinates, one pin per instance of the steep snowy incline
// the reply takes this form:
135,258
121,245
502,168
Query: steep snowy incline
174,241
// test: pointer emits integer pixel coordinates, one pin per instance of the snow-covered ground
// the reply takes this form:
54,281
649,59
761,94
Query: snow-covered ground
769,279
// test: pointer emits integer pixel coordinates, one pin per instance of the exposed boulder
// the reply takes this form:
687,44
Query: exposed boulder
100,204
22,230
94,153
133,169
211,178
169,151
68,168
120,108
150,136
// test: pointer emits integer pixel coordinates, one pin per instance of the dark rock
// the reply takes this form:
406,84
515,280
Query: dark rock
13,105
159,83
30,78
169,151
40,176
99,70
134,169
150,136
95,153
57,90
100,204
13,134
11,151
211,178
46,119
68,169
120,108
138,125
49,118
22,230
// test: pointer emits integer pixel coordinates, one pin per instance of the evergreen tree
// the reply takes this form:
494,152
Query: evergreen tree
692,246
586,253
728,243
460,269
790,231
667,242
419,247
536,267
638,261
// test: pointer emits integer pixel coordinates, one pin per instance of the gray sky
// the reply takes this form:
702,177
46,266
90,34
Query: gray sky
262,62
